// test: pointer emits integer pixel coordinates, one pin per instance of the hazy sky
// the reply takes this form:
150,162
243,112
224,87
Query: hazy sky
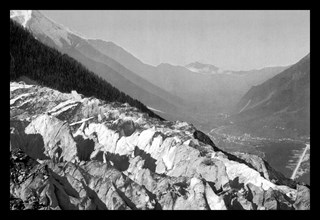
234,40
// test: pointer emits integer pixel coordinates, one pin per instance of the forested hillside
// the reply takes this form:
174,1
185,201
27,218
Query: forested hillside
47,66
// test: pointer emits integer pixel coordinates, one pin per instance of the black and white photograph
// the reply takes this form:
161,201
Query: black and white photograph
159,109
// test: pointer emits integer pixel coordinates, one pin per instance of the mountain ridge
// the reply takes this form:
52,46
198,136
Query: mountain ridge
31,58
59,37
284,98
173,78
91,147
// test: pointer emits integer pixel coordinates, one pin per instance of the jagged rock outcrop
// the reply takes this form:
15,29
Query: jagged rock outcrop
266,170
85,153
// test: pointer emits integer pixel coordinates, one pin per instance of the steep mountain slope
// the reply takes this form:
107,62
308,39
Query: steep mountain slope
33,60
176,92
22,16
100,149
73,152
281,103
163,107
65,41
200,93
213,92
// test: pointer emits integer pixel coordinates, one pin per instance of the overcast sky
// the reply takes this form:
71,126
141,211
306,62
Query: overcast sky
234,40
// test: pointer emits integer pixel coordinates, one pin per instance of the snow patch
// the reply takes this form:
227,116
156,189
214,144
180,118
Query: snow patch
14,86
63,106
193,69
25,15
12,101
60,105
44,26
153,109
207,70
79,122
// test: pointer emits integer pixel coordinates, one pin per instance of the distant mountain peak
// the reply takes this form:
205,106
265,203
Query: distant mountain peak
204,68
40,24
199,64
23,16
102,41
166,65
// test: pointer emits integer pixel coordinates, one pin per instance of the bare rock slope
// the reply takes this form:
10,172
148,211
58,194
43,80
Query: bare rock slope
74,152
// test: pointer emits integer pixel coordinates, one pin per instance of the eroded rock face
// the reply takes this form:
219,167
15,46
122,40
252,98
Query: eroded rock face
88,154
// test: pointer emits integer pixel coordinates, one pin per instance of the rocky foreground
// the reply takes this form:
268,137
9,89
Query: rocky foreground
72,152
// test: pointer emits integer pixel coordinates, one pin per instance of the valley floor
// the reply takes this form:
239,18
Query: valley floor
283,154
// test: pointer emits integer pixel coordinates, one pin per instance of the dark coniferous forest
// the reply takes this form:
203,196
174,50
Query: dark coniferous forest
48,67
